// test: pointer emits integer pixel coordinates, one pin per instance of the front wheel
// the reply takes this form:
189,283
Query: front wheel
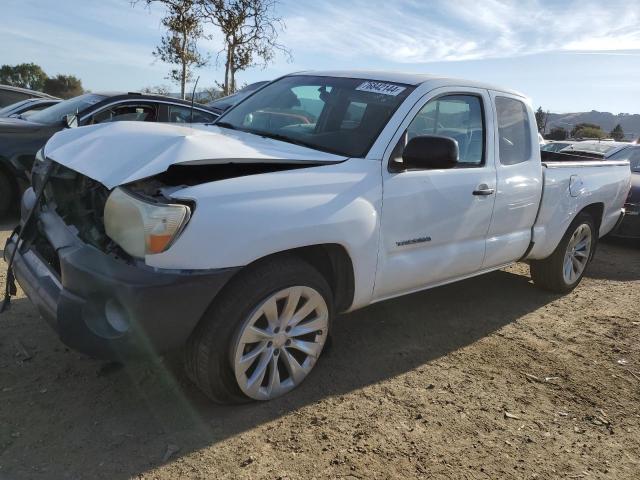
264,335
563,270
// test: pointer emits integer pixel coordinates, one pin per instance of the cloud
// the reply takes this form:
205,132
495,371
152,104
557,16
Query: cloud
410,31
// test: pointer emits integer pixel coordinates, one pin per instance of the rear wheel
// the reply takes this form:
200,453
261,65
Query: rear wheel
563,270
7,193
264,335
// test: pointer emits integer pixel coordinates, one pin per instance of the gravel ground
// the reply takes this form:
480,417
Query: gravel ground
488,378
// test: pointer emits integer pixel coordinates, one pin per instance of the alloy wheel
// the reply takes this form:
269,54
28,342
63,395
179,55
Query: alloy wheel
577,254
280,342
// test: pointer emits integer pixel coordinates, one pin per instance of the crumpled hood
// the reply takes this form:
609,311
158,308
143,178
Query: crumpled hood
122,152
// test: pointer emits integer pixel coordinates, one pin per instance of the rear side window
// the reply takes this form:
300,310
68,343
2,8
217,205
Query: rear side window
514,131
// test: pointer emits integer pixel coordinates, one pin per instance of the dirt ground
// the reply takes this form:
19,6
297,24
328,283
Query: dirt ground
489,379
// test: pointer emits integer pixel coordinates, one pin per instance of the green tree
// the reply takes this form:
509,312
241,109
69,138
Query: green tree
541,119
179,45
617,133
24,75
250,31
63,86
588,130
557,133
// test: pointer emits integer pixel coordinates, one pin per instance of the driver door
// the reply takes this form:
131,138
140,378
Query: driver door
434,223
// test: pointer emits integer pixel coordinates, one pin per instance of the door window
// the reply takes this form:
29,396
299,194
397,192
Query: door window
131,113
456,116
514,131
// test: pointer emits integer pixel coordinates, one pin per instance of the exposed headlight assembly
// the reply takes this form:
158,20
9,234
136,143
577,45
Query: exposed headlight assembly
141,227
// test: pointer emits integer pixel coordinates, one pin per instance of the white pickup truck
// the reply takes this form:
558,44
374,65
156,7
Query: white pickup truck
320,193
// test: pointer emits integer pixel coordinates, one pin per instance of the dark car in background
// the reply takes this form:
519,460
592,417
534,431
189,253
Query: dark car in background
20,139
223,104
26,108
10,95
592,148
555,146
630,226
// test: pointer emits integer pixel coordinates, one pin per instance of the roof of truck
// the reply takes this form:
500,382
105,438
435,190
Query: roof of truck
408,78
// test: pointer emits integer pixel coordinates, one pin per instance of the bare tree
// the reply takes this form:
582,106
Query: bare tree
179,45
250,29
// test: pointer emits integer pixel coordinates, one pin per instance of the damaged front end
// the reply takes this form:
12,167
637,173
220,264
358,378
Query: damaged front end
141,217
81,258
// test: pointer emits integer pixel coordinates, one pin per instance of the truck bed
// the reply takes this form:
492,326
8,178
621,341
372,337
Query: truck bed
571,184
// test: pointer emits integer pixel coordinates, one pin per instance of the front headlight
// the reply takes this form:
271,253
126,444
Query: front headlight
140,227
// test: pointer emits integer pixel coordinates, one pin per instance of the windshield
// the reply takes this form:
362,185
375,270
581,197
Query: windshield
56,113
632,154
230,100
337,115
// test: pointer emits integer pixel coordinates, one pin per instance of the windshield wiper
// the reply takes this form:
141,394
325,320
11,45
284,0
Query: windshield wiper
228,125
283,138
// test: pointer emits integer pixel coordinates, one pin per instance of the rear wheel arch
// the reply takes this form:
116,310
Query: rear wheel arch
596,211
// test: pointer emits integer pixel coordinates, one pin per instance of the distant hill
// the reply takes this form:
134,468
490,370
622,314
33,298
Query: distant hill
630,122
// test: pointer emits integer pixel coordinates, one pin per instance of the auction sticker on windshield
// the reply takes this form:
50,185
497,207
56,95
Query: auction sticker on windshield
381,87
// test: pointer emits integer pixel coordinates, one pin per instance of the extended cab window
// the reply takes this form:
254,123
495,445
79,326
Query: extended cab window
514,131
459,117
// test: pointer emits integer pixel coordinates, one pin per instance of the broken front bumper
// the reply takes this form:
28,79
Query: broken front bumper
102,306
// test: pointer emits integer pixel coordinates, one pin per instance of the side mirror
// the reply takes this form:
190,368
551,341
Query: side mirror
428,152
71,120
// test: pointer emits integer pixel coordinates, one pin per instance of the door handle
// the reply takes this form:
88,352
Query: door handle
484,190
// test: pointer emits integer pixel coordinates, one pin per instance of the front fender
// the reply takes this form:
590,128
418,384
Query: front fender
240,220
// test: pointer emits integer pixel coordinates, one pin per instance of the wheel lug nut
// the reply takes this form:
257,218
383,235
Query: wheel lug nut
269,344
288,342
276,352
276,330
288,329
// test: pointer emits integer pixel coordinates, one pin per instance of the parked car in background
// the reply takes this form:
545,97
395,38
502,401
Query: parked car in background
555,145
10,95
220,105
25,108
630,226
20,139
322,192
592,148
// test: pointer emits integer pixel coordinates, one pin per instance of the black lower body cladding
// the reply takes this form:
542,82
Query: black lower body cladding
101,305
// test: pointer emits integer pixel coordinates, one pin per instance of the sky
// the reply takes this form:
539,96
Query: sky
567,56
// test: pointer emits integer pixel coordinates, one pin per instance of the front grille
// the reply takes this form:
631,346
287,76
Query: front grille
80,202
47,253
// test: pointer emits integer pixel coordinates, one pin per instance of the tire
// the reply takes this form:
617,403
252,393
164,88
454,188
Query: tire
7,193
215,352
551,273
